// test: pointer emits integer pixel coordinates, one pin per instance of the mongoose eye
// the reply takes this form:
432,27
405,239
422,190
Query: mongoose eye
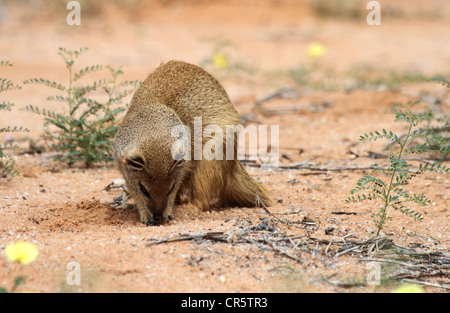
136,162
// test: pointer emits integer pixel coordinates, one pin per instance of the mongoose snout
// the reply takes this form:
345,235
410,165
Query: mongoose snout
156,169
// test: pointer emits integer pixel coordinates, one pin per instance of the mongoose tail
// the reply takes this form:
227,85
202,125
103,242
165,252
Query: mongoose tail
242,190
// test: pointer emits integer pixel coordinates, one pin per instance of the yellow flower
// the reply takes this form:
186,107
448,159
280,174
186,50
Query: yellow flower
22,252
220,61
315,50
408,288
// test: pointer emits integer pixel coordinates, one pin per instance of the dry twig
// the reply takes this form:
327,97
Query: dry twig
214,236
413,265
313,167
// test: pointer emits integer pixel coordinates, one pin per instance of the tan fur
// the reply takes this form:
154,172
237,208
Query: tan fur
172,95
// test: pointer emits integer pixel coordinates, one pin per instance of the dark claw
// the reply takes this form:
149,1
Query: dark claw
157,219
149,222
168,218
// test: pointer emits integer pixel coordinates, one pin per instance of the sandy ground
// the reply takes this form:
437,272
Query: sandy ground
66,212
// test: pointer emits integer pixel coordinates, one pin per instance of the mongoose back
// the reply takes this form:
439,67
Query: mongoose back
174,95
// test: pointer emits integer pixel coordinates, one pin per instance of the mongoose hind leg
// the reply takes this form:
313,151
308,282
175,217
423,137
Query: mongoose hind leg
206,181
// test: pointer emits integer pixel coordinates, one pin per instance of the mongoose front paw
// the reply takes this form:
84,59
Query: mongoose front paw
156,220
167,216
148,221
153,221
162,218
146,218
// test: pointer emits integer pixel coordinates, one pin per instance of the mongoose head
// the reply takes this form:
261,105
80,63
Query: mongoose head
153,171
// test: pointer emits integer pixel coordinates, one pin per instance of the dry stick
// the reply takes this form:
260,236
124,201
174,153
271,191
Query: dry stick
329,244
313,167
344,213
289,213
372,242
422,273
293,243
286,92
271,244
276,248
393,261
344,284
425,283
293,257
261,204
348,235
258,203
217,236
348,250
427,266
328,169
221,236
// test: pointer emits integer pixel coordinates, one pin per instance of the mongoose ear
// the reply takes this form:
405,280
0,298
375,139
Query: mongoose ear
136,162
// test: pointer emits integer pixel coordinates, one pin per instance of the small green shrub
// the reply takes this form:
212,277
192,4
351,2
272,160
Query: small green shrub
84,131
391,192
7,164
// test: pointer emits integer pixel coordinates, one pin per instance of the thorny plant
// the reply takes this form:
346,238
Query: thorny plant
84,131
391,192
7,163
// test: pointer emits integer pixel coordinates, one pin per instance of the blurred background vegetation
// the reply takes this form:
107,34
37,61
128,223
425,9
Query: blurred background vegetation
242,33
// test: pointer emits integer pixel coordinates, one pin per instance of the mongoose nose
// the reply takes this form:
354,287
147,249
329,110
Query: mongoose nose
158,217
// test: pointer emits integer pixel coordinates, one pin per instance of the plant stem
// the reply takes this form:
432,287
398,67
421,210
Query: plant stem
69,94
394,171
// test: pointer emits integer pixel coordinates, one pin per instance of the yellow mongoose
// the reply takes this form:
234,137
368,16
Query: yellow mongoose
175,94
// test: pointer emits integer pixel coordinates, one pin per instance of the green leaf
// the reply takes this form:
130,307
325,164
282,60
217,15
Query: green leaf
5,63
440,80
87,70
46,82
19,280
6,106
14,129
